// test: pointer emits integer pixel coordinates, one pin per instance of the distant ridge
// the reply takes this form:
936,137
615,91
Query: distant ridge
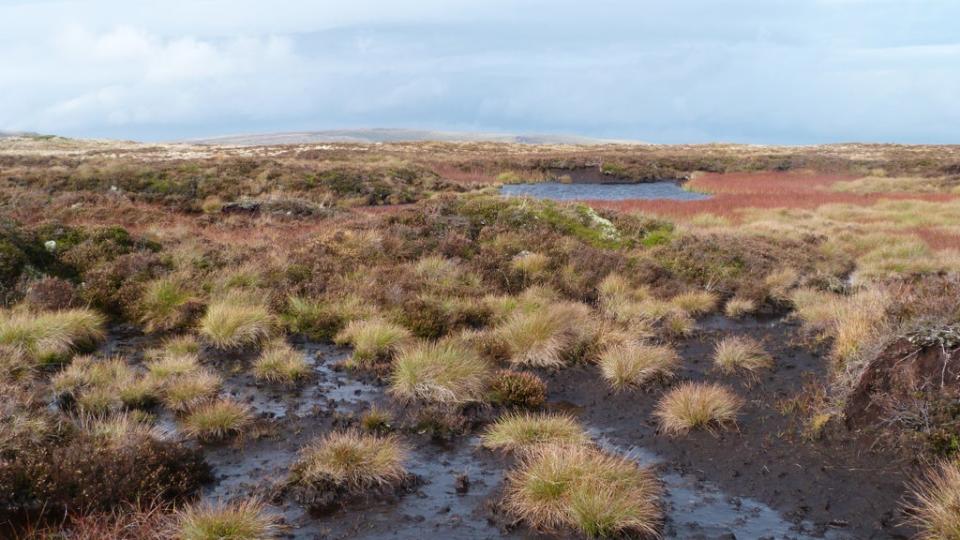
388,135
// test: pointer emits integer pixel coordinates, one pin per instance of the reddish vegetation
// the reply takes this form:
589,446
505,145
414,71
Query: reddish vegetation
461,176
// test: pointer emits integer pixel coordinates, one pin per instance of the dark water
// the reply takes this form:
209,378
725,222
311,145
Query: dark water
605,192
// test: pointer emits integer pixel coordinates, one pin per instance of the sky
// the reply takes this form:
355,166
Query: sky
669,71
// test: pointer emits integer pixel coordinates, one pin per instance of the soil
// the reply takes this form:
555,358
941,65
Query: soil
763,480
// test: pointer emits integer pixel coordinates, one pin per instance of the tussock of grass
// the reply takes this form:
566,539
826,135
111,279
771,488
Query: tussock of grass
585,489
441,372
165,305
934,508
324,318
522,431
101,385
547,337
173,365
372,340
740,353
236,321
632,365
279,362
738,307
530,264
779,283
188,391
695,303
697,405
117,430
245,520
217,420
351,460
376,420
50,337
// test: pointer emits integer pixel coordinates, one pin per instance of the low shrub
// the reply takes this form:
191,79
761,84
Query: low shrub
517,389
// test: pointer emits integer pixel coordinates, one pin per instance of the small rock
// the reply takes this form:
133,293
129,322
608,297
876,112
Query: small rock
462,484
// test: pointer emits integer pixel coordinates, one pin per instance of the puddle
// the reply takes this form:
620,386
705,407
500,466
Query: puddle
604,192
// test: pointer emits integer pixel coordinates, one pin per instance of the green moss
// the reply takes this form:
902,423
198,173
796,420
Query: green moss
658,236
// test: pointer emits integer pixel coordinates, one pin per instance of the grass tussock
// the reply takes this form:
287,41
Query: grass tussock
244,520
516,432
168,366
351,460
373,341
217,420
548,337
279,362
697,406
185,392
582,488
167,304
236,321
736,308
696,303
634,365
740,354
934,506
98,386
440,372
50,337
520,389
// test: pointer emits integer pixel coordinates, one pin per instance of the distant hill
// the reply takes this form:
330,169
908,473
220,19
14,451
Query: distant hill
386,135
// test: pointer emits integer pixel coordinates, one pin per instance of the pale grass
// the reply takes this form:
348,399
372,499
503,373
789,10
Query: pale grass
446,371
245,520
279,362
547,337
353,460
739,307
217,420
740,353
697,406
634,365
934,506
522,431
373,340
235,321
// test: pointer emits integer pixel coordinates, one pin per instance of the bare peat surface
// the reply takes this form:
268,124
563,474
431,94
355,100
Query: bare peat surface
764,480
761,482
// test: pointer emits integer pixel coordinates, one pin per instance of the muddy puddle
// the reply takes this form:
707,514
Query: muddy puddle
461,482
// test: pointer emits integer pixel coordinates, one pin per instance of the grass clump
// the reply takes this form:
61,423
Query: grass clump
245,520
323,319
184,392
50,337
279,362
632,365
166,305
236,321
98,386
217,420
516,432
376,420
372,340
739,307
740,353
169,366
444,371
695,302
697,405
934,508
547,337
517,389
582,488
351,461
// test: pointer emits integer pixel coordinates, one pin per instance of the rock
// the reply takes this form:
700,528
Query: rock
462,484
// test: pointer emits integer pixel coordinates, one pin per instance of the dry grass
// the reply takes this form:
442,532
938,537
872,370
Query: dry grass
440,372
245,520
697,406
279,362
579,487
739,307
165,305
373,340
740,354
185,392
50,337
934,508
217,420
352,460
118,430
236,321
695,303
530,264
523,431
99,386
547,337
633,365
168,366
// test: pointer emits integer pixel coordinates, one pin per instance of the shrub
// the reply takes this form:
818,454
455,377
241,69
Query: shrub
935,506
632,365
548,337
50,293
738,307
522,431
442,372
585,489
167,305
696,405
235,321
50,337
740,353
374,340
217,420
517,389
279,362
695,302
349,462
245,520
